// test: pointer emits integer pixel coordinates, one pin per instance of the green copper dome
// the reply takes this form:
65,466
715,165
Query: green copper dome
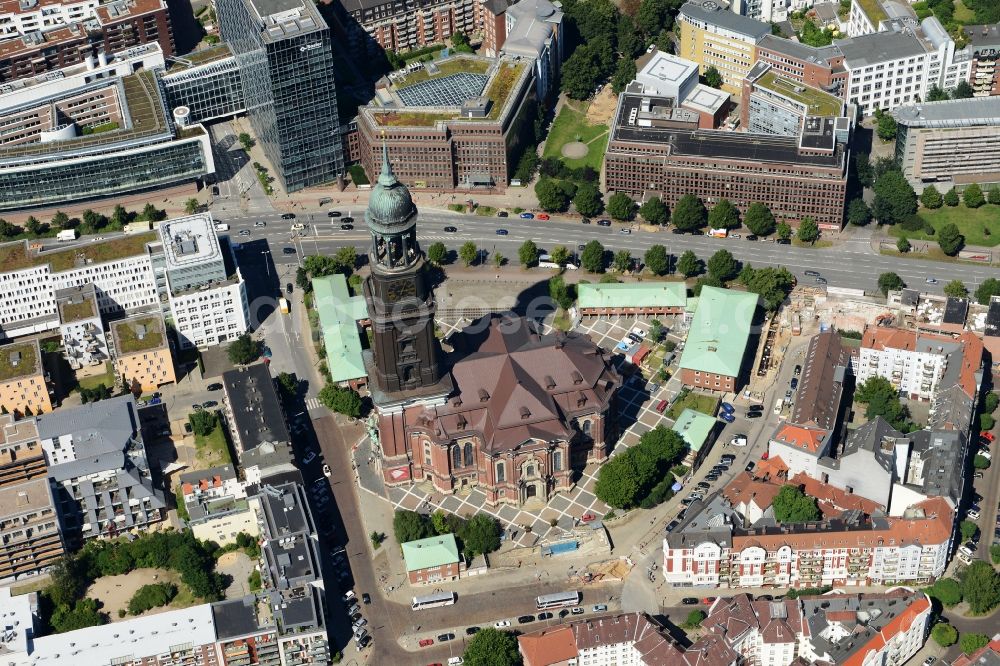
390,207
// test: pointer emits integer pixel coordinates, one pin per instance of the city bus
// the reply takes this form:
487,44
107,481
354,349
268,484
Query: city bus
557,600
433,600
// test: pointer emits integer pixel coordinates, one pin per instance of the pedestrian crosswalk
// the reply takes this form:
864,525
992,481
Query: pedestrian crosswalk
312,403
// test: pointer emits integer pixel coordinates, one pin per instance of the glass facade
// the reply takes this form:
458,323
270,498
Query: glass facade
286,65
58,182
210,91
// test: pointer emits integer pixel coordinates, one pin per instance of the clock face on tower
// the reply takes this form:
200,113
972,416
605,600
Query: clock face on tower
400,289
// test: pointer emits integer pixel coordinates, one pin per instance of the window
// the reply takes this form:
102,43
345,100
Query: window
501,472
456,457
586,427
468,454
557,461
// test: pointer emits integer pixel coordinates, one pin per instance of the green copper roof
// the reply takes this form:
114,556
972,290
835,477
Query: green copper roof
430,552
717,338
632,295
390,207
339,313
694,427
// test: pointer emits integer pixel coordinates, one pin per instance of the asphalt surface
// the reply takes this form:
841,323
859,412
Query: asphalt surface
854,266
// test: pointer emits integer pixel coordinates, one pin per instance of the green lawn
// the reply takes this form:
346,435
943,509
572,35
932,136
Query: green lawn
91,382
980,226
212,448
963,15
571,125
705,404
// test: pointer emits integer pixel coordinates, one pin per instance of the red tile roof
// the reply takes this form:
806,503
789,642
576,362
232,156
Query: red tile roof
898,624
833,500
745,489
808,439
882,337
548,646
972,361
968,659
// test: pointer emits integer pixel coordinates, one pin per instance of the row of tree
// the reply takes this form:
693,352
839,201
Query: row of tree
478,535
972,197
88,223
640,475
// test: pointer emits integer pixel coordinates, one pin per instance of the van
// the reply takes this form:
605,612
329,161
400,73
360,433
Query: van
718,233
455,661
778,405
298,226
221,226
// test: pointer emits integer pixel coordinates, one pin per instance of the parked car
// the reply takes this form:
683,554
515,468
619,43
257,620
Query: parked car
502,624
288,250
727,417
444,638
750,466
215,387
703,486
690,601
244,232
563,613
502,232
471,631
366,598
671,525
288,216
604,223
661,406
525,619
333,213
756,408
503,213
729,457
794,383
425,642
754,414
577,611
988,436
309,457
348,596
349,220
527,216
600,608
726,407
450,230
708,600
326,470
208,404
542,216
783,241
812,273
751,237
346,227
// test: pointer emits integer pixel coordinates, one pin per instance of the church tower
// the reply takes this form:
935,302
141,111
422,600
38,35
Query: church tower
399,297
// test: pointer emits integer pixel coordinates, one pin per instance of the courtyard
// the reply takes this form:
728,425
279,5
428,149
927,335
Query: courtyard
577,138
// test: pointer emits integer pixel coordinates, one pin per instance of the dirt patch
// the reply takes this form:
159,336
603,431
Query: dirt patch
574,150
114,592
602,109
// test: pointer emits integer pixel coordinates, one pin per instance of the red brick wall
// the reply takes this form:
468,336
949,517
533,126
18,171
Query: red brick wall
434,574
708,380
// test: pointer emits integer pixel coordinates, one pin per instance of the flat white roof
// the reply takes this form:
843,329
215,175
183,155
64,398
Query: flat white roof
705,99
16,623
132,639
669,68
190,240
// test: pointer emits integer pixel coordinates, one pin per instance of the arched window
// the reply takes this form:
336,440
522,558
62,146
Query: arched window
586,427
456,457
468,454
557,461
501,473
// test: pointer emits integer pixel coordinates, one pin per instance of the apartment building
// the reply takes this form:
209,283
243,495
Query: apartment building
655,150
142,352
707,362
252,409
821,68
949,143
713,36
878,628
30,540
711,548
217,505
207,294
98,469
37,37
776,105
23,387
984,48
398,25
914,362
533,30
799,447
81,328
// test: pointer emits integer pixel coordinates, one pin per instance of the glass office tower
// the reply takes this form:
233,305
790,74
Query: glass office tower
285,58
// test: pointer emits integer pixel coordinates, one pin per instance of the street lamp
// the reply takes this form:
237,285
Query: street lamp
267,266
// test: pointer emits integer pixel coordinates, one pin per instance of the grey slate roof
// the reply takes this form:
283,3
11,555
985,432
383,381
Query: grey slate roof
971,112
712,12
799,50
943,454
97,427
256,412
866,50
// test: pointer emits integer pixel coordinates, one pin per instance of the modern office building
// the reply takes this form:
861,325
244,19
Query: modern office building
42,37
207,83
666,75
773,104
30,540
397,25
284,54
98,469
821,68
984,48
713,36
141,351
81,328
949,143
453,126
23,386
654,150
206,292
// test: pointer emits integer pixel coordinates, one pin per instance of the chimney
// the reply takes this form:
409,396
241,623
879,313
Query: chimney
550,383
577,377
484,395
525,413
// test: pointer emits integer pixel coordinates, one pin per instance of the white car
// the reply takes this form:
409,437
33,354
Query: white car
972,514
348,596
326,470
638,331
455,661
502,624
739,441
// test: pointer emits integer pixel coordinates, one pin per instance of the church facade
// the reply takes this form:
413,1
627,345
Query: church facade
511,412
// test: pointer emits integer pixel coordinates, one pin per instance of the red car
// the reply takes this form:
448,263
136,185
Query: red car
988,436
426,641
662,405
542,216
587,517
708,600
764,455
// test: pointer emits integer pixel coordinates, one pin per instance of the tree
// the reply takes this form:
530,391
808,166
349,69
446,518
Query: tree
694,619
202,422
621,206
624,75
886,127
622,261
8,230
994,195
772,284
759,219
723,266
587,200
468,253
437,253
460,43
936,94
689,213
894,198
656,333
995,553
968,529
903,245
808,230
890,282
990,402
618,482
491,647
151,596
970,643
654,211
712,77
119,217
980,462
581,73
528,253
551,197
858,212
152,213
962,91
342,400
863,169
944,634
653,16
560,255
882,399
246,141
243,350
688,265
950,239
191,206
990,287
527,164
60,220
33,226
951,198
947,591
930,197
656,260
480,535
498,259
560,292
791,505
972,196
592,257
724,215
784,231
410,526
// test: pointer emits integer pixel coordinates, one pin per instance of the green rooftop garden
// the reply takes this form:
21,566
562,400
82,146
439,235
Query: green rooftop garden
873,10
817,102
76,311
200,57
96,253
15,257
26,366
446,67
127,335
